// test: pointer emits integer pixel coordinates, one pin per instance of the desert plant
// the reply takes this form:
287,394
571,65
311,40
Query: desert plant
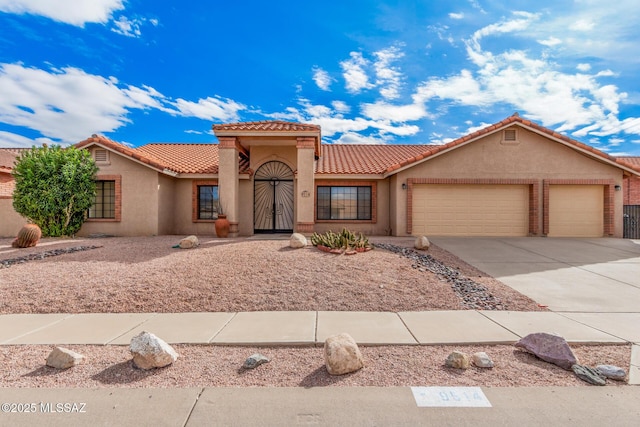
28,236
346,240
54,188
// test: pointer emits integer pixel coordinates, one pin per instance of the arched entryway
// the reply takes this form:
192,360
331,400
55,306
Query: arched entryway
273,198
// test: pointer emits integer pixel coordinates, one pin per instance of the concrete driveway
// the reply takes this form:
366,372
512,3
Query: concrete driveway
599,275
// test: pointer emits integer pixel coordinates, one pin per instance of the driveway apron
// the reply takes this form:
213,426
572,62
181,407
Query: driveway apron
592,275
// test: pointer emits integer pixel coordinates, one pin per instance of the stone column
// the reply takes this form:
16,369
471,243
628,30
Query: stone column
228,184
305,218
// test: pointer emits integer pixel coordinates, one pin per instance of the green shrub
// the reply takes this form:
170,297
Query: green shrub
345,240
54,188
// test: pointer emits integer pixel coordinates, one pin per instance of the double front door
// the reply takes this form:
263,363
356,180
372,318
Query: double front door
273,198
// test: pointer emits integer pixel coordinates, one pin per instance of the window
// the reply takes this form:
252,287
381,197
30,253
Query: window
344,203
105,202
208,202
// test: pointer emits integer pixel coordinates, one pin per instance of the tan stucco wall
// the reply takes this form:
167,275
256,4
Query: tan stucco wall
140,199
10,220
534,157
166,204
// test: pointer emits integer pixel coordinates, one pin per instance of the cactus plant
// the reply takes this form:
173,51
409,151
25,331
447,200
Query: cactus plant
345,241
28,236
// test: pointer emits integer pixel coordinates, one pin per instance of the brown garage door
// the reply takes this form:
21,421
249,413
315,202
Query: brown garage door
470,210
576,210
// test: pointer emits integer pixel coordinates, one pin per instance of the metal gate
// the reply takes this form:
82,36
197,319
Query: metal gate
631,222
273,198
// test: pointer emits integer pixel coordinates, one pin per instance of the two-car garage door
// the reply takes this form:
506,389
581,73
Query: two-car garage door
503,210
470,210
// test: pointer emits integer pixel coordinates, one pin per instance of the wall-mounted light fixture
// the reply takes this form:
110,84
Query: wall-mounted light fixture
617,188
404,185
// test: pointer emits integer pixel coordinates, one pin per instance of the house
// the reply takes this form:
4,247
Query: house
10,220
513,178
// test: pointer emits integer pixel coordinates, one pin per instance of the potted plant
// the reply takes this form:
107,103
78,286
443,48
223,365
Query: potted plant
222,223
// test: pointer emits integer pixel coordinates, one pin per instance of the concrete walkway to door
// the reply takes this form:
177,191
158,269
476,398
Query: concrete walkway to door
590,275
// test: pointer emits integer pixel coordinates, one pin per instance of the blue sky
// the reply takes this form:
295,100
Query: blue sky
367,71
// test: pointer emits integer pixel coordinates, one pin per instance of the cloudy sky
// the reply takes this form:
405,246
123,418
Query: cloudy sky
383,71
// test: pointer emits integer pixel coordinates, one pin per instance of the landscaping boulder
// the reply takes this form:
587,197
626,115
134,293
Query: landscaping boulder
550,348
458,360
342,355
590,375
63,358
422,243
612,372
189,242
254,361
297,240
482,360
150,352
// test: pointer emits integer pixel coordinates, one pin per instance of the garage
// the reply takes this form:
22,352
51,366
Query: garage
470,210
576,210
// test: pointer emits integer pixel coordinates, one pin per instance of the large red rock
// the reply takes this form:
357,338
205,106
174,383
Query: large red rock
550,348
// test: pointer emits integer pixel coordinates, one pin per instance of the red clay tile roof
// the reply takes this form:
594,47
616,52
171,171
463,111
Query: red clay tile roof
364,159
178,158
631,161
8,157
267,126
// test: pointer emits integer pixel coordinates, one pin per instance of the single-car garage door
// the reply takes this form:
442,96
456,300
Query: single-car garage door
470,210
576,210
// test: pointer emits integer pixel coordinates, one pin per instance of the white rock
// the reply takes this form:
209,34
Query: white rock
297,240
482,360
149,351
422,243
63,358
189,242
342,355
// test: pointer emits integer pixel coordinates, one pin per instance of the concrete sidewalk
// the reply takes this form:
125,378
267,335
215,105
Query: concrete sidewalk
331,406
312,328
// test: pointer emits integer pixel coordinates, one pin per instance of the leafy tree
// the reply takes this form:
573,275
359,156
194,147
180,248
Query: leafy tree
54,188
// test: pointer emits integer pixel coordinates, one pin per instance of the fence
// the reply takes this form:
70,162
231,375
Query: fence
631,215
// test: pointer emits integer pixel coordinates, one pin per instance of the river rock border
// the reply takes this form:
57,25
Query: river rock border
6,263
473,295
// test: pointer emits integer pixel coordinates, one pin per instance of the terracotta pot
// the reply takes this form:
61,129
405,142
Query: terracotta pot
222,226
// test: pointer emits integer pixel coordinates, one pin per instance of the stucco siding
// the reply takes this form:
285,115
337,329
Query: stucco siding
140,200
532,158
11,221
166,204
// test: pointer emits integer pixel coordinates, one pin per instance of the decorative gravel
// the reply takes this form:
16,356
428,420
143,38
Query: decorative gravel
145,274
214,366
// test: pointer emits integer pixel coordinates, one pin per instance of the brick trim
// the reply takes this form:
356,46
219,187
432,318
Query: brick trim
305,227
305,142
608,201
194,198
118,201
534,189
227,142
339,183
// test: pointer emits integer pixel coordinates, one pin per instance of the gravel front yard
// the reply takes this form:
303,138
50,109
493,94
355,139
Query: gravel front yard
145,274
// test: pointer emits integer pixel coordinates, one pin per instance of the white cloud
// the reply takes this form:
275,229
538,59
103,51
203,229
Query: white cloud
394,113
453,15
356,138
75,13
128,27
583,67
69,104
550,42
213,109
341,106
322,78
12,140
355,76
582,25
388,77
